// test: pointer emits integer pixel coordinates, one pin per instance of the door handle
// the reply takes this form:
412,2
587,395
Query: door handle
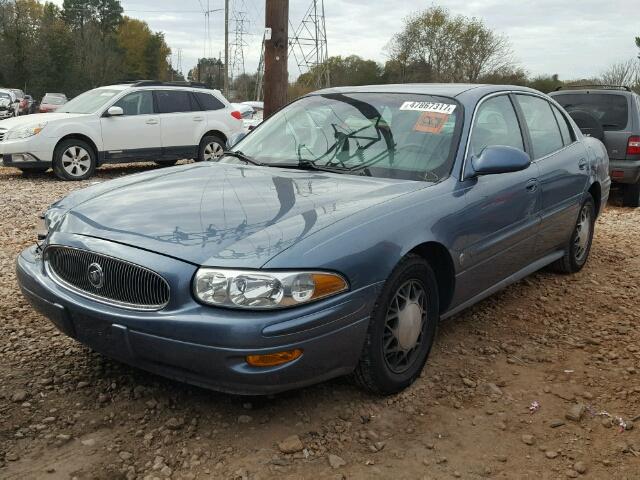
582,164
198,119
532,185
152,121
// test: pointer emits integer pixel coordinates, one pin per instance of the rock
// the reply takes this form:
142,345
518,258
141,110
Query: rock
19,396
49,420
576,412
244,419
556,423
571,474
166,471
83,384
580,467
125,455
89,442
12,456
174,423
551,454
528,439
490,389
335,461
291,444
468,382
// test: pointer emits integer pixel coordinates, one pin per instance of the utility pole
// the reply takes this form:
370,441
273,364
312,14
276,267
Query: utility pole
276,76
226,48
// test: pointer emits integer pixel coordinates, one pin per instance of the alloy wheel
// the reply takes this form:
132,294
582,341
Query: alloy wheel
76,161
582,234
405,324
212,151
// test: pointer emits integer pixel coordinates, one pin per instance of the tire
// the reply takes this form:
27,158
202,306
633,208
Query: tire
208,143
166,163
74,159
631,195
578,247
381,370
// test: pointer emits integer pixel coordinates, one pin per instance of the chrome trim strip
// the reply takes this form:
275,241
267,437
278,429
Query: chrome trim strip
122,264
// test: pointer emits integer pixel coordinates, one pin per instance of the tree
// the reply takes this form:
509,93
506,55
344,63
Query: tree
436,46
625,73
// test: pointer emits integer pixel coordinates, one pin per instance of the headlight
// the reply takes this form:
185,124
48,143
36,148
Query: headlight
25,132
255,289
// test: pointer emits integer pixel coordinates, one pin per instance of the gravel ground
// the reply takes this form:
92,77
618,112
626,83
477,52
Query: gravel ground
541,381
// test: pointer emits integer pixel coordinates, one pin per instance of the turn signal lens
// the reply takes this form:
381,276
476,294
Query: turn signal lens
273,359
326,285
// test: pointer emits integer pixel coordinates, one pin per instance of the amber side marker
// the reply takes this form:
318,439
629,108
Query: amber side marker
273,359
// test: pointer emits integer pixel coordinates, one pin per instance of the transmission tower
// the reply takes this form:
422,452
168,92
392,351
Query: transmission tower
238,43
308,45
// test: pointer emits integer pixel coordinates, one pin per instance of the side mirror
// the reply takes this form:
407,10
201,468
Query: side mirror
500,159
115,111
234,139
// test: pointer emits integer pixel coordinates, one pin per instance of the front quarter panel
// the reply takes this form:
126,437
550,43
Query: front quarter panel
86,125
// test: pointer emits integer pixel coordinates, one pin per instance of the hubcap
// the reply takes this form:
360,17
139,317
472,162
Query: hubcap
404,326
582,234
76,161
213,151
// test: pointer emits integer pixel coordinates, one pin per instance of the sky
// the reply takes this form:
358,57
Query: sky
573,38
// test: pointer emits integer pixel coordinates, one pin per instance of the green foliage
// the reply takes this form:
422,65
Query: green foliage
84,44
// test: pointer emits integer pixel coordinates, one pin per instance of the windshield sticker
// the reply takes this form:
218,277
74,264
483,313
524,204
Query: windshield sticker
431,122
429,107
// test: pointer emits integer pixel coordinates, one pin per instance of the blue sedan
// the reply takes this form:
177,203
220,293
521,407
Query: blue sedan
329,241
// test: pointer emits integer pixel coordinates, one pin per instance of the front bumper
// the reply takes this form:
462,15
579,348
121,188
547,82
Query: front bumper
624,171
207,346
34,151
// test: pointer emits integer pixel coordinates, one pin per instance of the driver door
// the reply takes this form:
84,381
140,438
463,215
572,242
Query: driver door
136,134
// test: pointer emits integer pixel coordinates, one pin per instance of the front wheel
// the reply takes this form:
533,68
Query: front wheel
631,195
401,330
211,149
579,247
74,160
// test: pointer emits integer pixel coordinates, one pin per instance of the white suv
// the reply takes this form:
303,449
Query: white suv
139,121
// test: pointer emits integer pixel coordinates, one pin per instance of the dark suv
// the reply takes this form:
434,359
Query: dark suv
611,114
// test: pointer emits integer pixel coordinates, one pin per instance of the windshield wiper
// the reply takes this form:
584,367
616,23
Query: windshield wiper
245,158
309,165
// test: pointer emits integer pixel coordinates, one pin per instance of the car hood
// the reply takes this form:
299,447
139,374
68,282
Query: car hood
24,120
221,214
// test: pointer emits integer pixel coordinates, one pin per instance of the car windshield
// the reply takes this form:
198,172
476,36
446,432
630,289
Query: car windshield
390,135
610,110
88,102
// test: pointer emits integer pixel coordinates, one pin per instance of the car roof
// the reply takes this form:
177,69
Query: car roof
438,89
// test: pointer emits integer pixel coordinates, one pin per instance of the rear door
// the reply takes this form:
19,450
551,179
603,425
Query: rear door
502,214
563,170
182,123
134,135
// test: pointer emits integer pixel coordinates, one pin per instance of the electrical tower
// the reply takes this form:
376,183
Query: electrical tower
308,45
238,43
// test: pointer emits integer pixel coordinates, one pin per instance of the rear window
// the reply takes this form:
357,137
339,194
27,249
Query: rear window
208,101
610,110
53,100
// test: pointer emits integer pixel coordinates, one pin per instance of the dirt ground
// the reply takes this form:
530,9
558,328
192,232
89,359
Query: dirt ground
541,381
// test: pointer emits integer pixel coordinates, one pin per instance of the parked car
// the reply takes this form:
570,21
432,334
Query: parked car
51,102
8,104
143,121
31,104
611,114
22,105
257,117
330,240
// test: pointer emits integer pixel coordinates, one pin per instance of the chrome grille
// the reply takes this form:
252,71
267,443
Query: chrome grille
2,134
121,283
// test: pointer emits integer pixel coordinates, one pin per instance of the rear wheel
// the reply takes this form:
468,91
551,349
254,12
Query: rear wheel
577,251
211,148
74,159
401,329
631,195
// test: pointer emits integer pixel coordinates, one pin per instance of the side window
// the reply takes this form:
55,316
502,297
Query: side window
543,128
208,101
496,123
173,101
136,103
565,128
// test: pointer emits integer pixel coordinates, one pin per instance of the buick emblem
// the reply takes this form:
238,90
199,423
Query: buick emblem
95,275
